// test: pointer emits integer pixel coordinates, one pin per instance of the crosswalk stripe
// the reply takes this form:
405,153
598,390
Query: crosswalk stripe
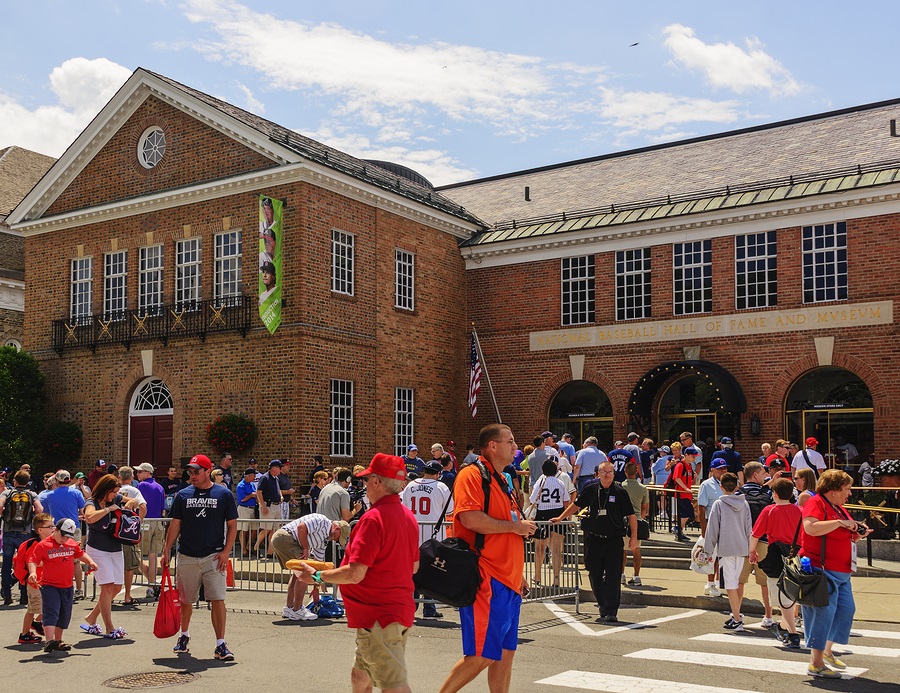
584,629
613,683
738,639
886,634
778,666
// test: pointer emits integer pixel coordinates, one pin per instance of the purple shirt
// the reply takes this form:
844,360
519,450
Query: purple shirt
154,495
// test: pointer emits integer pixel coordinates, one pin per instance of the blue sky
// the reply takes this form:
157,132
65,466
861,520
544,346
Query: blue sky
455,90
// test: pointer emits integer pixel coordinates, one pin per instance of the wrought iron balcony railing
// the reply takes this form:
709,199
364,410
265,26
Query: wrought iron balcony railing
188,319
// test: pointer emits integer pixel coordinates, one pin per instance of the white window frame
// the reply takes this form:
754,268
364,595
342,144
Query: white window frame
404,418
188,274
694,259
404,279
825,275
576,275
151,147
756,270
343,250
227,284
82,282
150,279
115,285
633,281
341,418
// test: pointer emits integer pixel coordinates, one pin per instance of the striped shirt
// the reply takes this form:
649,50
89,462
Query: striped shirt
318,531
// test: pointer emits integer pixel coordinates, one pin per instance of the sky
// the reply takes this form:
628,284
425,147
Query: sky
456,90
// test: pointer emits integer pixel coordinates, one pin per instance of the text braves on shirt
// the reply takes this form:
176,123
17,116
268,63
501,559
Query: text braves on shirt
202,503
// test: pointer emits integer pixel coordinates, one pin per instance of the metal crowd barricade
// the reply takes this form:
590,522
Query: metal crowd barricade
545,584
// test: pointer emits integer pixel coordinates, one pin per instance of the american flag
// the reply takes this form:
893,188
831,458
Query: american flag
474,379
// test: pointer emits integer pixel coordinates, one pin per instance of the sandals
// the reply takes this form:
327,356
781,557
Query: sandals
117,634
129,602
91,629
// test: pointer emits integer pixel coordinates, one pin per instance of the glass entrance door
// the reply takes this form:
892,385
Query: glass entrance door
582,409
690,403
702,426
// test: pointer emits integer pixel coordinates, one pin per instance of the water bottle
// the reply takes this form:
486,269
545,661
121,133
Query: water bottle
805,565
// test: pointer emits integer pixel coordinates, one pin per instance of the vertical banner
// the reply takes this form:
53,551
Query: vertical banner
270,277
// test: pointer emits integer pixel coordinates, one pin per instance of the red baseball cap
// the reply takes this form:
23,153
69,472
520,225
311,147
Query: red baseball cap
200,462
812,441
388,466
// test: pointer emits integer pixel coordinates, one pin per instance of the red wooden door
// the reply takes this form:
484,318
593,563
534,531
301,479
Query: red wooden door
151,441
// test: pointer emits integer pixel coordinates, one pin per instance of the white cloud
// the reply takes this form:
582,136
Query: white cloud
82,87
635,112
728,66
252,104
437,166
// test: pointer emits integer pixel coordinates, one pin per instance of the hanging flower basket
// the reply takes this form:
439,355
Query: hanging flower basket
233,433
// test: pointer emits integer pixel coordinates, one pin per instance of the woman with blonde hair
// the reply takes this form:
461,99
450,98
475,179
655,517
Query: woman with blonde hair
805,481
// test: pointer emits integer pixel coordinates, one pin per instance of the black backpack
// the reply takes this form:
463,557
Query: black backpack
757,499
19,509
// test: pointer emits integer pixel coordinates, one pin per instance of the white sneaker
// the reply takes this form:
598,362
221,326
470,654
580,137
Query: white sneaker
635,581
711,590
767,622
78,595
304,614
287,612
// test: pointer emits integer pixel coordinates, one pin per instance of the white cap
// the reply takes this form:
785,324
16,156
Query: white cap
66,527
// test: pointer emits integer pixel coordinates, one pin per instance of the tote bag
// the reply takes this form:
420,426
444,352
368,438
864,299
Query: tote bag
168,611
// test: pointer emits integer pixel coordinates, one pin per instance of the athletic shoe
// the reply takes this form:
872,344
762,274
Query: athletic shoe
793,641
783,635
834,662
767,622
37,627
29,638
710,590
223,654
623,578
287,612
51,645
151,593
182,644
732,625
634,582
821,672
303,614
432,615
78,595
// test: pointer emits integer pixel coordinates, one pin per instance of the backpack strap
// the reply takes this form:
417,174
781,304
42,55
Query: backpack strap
486,489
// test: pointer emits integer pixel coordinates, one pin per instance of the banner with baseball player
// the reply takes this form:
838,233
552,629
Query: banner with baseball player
270,278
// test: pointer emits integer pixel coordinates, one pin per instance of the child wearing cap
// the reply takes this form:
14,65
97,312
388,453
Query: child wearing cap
42,526
57,555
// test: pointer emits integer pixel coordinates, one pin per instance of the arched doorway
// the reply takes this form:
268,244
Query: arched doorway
582,409
150,424
692,403
833,406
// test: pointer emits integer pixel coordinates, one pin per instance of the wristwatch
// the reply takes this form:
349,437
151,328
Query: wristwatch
317,577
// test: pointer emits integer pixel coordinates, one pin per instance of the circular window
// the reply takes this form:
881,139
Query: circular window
14,343
151,147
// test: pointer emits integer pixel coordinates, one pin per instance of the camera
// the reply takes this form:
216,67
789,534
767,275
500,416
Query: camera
861,529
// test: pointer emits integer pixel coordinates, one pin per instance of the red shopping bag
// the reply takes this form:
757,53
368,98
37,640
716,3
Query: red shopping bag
229,575
168,610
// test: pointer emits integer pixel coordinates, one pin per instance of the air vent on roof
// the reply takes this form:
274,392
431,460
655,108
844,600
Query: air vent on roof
402,171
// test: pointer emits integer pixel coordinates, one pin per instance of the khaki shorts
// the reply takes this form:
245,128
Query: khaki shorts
34,601
153,537
132,556
192,572
285,547
762,548
381,653
245,514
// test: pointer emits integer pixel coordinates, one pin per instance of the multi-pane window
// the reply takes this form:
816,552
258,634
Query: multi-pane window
825,262
342,247
404,400
633,284
341,418
577,290
187,274
115,285
756,270
150,285
82,288
405,266
228,267
692,277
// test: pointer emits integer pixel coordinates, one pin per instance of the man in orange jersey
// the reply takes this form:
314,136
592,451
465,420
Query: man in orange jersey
490,626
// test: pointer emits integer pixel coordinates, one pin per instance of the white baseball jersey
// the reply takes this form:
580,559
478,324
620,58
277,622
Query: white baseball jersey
427,498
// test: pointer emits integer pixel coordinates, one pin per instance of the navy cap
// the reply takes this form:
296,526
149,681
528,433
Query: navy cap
690,450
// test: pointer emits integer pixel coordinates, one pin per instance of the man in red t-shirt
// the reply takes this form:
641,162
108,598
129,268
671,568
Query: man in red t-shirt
683,476
377,578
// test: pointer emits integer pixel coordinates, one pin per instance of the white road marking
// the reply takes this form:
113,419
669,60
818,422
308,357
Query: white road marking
738,639
714,659
584,629
591,681
887,634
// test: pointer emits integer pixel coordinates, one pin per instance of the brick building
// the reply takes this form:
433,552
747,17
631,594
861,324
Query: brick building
142,246
739,284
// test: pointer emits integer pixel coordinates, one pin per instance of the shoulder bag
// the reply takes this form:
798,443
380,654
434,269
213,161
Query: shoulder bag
807,589
531,513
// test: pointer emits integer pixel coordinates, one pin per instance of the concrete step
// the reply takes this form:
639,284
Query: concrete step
673,563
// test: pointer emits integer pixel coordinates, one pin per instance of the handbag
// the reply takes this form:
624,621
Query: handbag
531,513
124,526
448,570
643,529
168,610
807,589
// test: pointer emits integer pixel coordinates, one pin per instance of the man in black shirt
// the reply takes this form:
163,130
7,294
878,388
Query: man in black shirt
225,466
604,531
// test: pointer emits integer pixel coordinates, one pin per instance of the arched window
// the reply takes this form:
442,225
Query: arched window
151,398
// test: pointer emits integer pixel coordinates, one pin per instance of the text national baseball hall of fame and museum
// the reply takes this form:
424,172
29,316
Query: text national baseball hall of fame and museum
702,326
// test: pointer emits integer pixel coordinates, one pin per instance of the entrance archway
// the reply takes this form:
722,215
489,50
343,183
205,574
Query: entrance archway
150,424
582,409
834,406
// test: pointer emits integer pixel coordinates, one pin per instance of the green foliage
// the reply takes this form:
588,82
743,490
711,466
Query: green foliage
62,443
22,402
231,433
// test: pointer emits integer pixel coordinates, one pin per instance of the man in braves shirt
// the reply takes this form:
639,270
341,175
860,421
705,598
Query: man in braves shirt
205,516
429,500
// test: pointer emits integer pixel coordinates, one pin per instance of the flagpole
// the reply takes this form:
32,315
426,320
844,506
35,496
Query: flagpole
486,374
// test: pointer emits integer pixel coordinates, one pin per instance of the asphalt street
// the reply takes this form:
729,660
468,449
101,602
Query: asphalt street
653,648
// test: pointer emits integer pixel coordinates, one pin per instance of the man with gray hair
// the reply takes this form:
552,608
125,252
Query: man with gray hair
587,462
376,578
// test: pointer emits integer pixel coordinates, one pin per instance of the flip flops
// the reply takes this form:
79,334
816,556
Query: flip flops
117,634
91,629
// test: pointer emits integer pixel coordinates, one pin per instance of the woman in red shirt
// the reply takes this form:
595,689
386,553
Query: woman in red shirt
828,526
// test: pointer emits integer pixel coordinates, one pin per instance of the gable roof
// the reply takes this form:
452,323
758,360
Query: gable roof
20,169
821,144
282,145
